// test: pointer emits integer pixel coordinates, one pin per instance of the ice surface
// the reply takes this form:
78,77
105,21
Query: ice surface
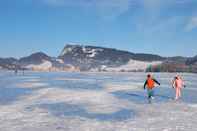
94,102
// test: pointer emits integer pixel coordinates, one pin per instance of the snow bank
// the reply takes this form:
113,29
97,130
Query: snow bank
134,65
60,61
45,66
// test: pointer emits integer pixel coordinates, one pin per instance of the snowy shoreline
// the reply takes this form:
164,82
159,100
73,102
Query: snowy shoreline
97,72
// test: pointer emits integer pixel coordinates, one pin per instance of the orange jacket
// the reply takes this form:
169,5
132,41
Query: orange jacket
150,82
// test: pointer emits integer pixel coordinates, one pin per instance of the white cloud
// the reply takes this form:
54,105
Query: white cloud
154,8
164,16
192,24
109,9
105,8
112,8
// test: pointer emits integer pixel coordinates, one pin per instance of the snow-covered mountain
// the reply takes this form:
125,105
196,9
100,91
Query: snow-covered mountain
8,63
92,58
99,58
36,61
36,58
41,62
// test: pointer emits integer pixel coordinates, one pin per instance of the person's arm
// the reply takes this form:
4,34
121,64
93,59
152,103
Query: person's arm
145,84
156,82
183,83
173,83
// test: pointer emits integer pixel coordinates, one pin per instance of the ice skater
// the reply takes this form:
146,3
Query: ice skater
178,84
23,70
150,84
15,71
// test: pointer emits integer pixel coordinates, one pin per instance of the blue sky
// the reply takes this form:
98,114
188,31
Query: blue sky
164,27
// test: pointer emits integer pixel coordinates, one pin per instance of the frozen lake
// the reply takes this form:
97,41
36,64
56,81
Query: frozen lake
94,102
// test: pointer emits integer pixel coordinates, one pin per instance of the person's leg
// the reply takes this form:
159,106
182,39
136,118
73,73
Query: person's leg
153,93
149,93
177,93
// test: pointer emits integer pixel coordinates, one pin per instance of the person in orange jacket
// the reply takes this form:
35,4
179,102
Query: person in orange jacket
150,84
178,84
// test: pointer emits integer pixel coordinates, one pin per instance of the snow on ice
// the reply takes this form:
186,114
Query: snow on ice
94,102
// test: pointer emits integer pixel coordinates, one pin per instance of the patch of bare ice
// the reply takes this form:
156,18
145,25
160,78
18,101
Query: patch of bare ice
93,101
31,85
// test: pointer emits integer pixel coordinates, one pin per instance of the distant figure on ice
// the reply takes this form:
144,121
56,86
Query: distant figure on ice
150,84
23,69
178,83
15,71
